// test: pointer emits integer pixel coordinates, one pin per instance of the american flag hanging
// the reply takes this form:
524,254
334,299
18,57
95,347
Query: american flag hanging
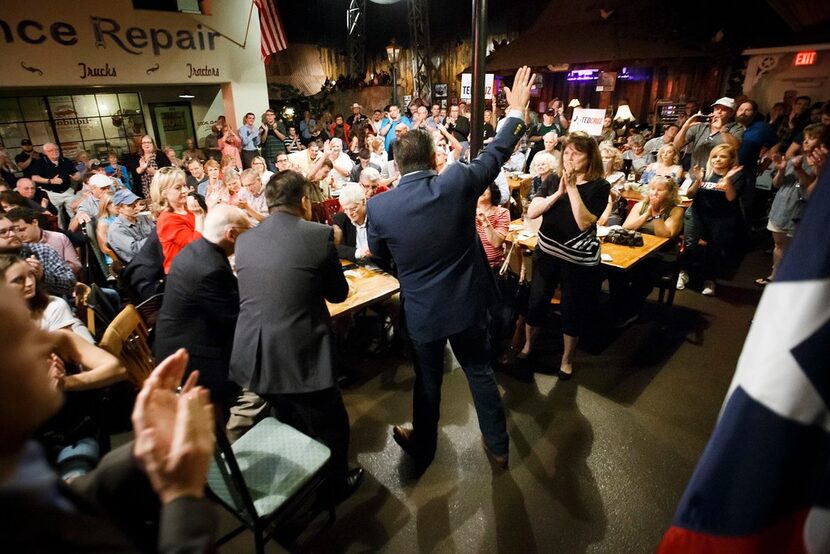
763,482
273,35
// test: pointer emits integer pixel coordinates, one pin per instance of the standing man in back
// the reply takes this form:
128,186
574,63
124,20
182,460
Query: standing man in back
283,348
446,284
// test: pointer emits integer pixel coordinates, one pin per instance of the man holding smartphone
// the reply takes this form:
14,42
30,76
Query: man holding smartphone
704,132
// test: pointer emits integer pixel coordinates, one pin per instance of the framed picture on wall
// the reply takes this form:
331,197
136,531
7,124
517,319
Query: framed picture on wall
441,90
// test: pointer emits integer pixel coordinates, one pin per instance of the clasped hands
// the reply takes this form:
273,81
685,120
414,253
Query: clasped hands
174,430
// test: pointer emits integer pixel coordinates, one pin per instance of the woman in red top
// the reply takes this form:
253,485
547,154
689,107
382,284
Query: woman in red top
492,225
180,219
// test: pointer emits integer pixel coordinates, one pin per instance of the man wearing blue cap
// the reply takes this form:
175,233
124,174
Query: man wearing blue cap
126,235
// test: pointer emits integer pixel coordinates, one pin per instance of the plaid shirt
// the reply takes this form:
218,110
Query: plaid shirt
57,275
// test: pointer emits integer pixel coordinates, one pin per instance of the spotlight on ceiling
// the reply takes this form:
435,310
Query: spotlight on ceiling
186,94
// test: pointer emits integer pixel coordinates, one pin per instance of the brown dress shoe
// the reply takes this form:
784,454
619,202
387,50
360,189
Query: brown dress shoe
404,436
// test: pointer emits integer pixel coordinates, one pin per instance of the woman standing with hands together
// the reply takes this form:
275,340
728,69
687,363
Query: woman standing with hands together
568,253
148,161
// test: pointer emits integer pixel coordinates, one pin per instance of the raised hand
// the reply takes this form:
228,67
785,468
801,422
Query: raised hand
519,95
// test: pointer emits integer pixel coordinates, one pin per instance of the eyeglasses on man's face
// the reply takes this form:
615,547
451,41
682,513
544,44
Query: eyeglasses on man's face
6,231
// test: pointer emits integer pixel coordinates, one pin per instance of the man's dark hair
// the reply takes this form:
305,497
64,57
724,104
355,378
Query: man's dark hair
389,107
364,154
414,151
670,125
249,113
27,215
804,97
286,188
377,111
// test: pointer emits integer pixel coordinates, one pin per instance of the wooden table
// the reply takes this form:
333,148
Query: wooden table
622,257
366,287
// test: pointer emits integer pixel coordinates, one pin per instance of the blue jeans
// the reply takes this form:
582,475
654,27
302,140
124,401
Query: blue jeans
472,349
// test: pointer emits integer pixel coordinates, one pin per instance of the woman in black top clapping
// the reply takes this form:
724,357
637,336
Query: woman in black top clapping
567,253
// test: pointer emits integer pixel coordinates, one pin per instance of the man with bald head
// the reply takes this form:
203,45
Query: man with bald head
201,302
55,175
27,189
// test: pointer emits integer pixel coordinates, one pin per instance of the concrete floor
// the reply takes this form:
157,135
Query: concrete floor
598,463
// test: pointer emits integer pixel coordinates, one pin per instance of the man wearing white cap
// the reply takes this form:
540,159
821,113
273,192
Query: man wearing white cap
127,234
704,136
99,184
356,116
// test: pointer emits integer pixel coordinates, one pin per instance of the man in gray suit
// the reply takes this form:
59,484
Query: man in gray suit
283,349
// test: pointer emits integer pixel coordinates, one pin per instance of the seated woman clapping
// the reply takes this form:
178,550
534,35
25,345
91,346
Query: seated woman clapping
657,215
492,225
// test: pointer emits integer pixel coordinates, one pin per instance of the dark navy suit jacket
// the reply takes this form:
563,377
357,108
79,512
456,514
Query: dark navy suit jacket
427,225
201,304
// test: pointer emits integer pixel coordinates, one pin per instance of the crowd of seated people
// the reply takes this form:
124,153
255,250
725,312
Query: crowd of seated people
147,208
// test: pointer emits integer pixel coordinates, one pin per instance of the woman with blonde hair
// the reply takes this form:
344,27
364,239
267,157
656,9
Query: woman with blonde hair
107,213
658,215
667,165
258,164
180,219
714,216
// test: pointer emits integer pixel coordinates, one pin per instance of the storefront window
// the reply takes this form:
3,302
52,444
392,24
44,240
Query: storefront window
93,122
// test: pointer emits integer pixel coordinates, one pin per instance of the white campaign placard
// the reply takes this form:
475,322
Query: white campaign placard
588,121
467,86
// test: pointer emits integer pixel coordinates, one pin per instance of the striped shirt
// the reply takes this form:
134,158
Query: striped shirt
500,220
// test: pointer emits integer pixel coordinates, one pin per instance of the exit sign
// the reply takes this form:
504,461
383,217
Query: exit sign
805,58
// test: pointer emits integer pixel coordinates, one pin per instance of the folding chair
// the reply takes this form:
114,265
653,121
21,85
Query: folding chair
331,206
126,339
266,476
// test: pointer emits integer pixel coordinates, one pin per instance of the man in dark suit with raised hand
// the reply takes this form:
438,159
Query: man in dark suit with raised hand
446,284
283,349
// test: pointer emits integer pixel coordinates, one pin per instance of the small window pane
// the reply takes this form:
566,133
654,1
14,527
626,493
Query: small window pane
9,110
68,130
34,108
91,128
85,105
12,133
107,103
119,145
62,107
70,150
40,132
129,103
